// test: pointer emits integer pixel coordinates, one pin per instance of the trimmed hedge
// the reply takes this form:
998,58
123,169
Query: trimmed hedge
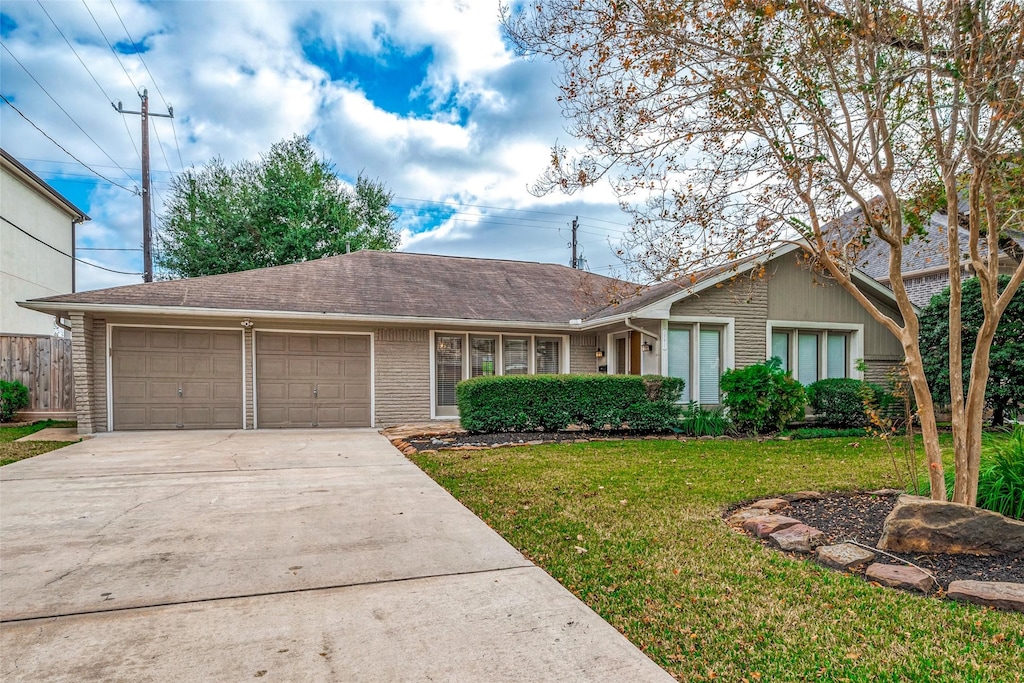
13,397
521,403
840,402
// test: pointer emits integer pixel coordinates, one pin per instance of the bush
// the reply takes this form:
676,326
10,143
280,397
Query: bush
840,402
13,397
762,398
515,403
698,421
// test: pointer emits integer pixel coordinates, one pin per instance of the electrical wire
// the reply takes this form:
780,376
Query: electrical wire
64,253
45,134
498,208
70,117
107,41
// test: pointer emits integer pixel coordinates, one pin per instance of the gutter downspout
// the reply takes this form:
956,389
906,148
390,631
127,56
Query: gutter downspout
640,329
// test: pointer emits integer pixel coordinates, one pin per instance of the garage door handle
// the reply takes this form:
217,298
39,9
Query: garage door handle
316,391
180,392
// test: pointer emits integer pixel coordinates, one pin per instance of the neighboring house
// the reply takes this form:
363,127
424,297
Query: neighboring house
379,338
37,247
925,265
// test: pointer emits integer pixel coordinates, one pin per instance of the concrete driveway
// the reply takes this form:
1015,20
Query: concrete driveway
279,555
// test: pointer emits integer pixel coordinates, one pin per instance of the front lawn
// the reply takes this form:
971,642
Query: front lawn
12,451
633,528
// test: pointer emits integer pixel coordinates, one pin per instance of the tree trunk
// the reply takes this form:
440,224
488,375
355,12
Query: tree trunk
926,412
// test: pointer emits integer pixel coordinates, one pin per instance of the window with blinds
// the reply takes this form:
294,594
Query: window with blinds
481,356
516,354
836,354
679,357
710,349
780,348
547,356
807,358
447,368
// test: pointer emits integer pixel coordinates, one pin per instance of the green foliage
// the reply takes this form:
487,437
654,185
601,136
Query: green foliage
1000,476
822,433
289,206
699,421
13,397
762,398
1005,390
514,403
840,402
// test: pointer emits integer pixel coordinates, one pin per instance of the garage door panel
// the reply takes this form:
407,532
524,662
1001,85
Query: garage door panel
150,365
289,366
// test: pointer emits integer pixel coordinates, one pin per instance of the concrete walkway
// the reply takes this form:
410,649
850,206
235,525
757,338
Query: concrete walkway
279,555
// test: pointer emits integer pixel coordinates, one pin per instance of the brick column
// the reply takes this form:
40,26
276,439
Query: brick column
82,364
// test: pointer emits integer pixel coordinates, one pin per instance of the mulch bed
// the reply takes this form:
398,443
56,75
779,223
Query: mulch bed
859,517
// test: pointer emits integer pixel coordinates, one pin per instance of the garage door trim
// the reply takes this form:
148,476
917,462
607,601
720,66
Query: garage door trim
275,330
110,365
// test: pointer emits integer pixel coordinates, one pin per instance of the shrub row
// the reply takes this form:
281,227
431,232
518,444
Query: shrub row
514,403
840,402
13,397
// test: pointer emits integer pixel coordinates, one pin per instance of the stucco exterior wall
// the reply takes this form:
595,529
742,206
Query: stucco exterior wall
29,269
745,299
401,375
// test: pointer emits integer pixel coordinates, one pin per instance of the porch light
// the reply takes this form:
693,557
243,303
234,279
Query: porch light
247,324
646,347
600,353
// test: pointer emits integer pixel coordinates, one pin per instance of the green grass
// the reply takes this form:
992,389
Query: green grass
633,528
11,451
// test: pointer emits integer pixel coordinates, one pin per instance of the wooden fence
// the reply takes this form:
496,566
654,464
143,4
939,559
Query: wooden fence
43,364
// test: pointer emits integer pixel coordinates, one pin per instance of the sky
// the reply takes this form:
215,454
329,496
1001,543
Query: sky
427,97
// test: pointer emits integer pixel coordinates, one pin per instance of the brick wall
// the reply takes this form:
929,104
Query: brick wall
402,376
582,353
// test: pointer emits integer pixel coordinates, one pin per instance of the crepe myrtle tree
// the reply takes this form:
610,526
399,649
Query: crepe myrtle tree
729,126
286,207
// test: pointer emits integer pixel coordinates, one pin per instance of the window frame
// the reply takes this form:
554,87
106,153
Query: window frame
854,333
726,349
499,338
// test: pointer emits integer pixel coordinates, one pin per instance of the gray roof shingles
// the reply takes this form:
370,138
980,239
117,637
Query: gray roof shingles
376,283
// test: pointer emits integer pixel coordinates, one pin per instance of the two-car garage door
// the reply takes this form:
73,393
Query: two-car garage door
163,378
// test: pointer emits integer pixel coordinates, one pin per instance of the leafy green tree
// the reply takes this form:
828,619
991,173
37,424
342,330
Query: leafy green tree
1005,390
289,206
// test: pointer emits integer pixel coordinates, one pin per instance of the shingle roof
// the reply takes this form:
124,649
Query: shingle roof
376,283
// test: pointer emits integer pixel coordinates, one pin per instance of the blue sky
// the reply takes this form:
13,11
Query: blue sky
425,96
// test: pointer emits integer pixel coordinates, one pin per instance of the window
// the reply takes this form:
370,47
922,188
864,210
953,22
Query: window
517,355
710,365
807,357
836,361
620,356
481,358
447,370
547,356
780,348
679,357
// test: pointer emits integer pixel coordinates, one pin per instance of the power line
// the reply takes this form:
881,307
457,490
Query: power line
107,41
499,208
64,253
63,149
108,249
70,117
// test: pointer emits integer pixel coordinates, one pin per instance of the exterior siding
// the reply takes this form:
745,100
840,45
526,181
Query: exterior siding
401,375
582,353
744,299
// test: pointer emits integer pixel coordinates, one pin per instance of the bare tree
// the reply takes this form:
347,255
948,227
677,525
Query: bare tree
743,123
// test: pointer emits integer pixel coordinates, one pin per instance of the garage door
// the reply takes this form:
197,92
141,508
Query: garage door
312,380
176,379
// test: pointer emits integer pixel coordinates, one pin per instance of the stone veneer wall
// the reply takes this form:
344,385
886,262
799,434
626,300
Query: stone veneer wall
82,363
250,389
99,382
401,375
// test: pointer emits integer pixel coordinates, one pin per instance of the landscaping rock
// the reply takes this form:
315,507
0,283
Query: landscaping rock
886,492
770,504
802,495
743,514
899,576
798,538
922,525
766,525
1002,595
844,556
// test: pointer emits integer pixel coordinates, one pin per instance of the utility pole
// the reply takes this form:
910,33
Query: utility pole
147,203
575,263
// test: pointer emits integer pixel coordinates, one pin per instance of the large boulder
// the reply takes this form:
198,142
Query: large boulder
922,525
